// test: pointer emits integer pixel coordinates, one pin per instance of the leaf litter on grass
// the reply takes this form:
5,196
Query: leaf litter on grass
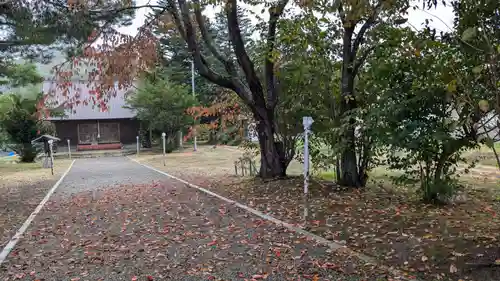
22,187
168,232
423,240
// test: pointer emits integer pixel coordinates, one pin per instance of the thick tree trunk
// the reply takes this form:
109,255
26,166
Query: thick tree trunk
348,162
272,163
349,174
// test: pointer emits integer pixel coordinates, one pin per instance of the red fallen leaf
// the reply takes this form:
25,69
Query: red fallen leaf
211,277
258,276
150,278
32,273
277,253
316,223
240,275
134,278
329,265
212,243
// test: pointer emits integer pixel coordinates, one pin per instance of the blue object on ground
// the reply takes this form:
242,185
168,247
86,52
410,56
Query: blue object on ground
12,153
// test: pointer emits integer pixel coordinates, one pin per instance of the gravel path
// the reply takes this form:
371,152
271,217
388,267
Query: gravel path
93,174
141,226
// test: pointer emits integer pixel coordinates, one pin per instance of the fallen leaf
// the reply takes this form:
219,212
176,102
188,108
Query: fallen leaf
453,268
134,278
277,252
424,258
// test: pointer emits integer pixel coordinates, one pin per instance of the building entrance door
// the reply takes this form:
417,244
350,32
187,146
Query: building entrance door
87,133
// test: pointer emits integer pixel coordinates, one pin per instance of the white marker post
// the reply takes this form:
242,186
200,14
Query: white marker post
137,138
307,122
163,135
69,149
180,139
51,143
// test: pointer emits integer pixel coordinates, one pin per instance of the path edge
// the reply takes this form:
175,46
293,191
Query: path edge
13,241
332,245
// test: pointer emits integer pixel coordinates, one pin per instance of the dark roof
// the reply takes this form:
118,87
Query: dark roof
115,104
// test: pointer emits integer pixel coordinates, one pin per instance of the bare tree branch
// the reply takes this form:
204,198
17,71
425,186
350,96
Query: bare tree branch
275,13
341,12
199,60
228,64
361,60
367,25
241,54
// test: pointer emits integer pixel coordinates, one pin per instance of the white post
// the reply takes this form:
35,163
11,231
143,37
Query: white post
163,135
137,138
69,149
180,140
51,143
192,87
307,122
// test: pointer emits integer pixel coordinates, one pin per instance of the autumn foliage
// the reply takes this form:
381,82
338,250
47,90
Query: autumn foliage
219,116
104,68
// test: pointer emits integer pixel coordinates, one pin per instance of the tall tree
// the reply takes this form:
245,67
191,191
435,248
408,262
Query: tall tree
32,29
260,97
121,60
357,19
163,105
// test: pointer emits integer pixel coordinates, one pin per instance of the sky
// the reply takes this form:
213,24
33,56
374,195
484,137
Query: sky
441,17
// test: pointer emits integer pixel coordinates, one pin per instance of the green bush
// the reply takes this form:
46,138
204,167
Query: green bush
21,124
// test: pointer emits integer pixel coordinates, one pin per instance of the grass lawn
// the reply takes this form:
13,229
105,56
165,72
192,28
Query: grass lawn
484,155
19,173
459,241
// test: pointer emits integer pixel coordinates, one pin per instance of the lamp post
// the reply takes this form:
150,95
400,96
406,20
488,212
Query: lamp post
163,135
192,87
307,122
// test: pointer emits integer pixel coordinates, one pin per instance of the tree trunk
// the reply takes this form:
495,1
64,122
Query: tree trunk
348,162
272,162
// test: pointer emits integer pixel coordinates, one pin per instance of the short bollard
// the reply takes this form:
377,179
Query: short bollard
137,137
69,149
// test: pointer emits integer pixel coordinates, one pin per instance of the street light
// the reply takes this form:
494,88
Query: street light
307,122
192,87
